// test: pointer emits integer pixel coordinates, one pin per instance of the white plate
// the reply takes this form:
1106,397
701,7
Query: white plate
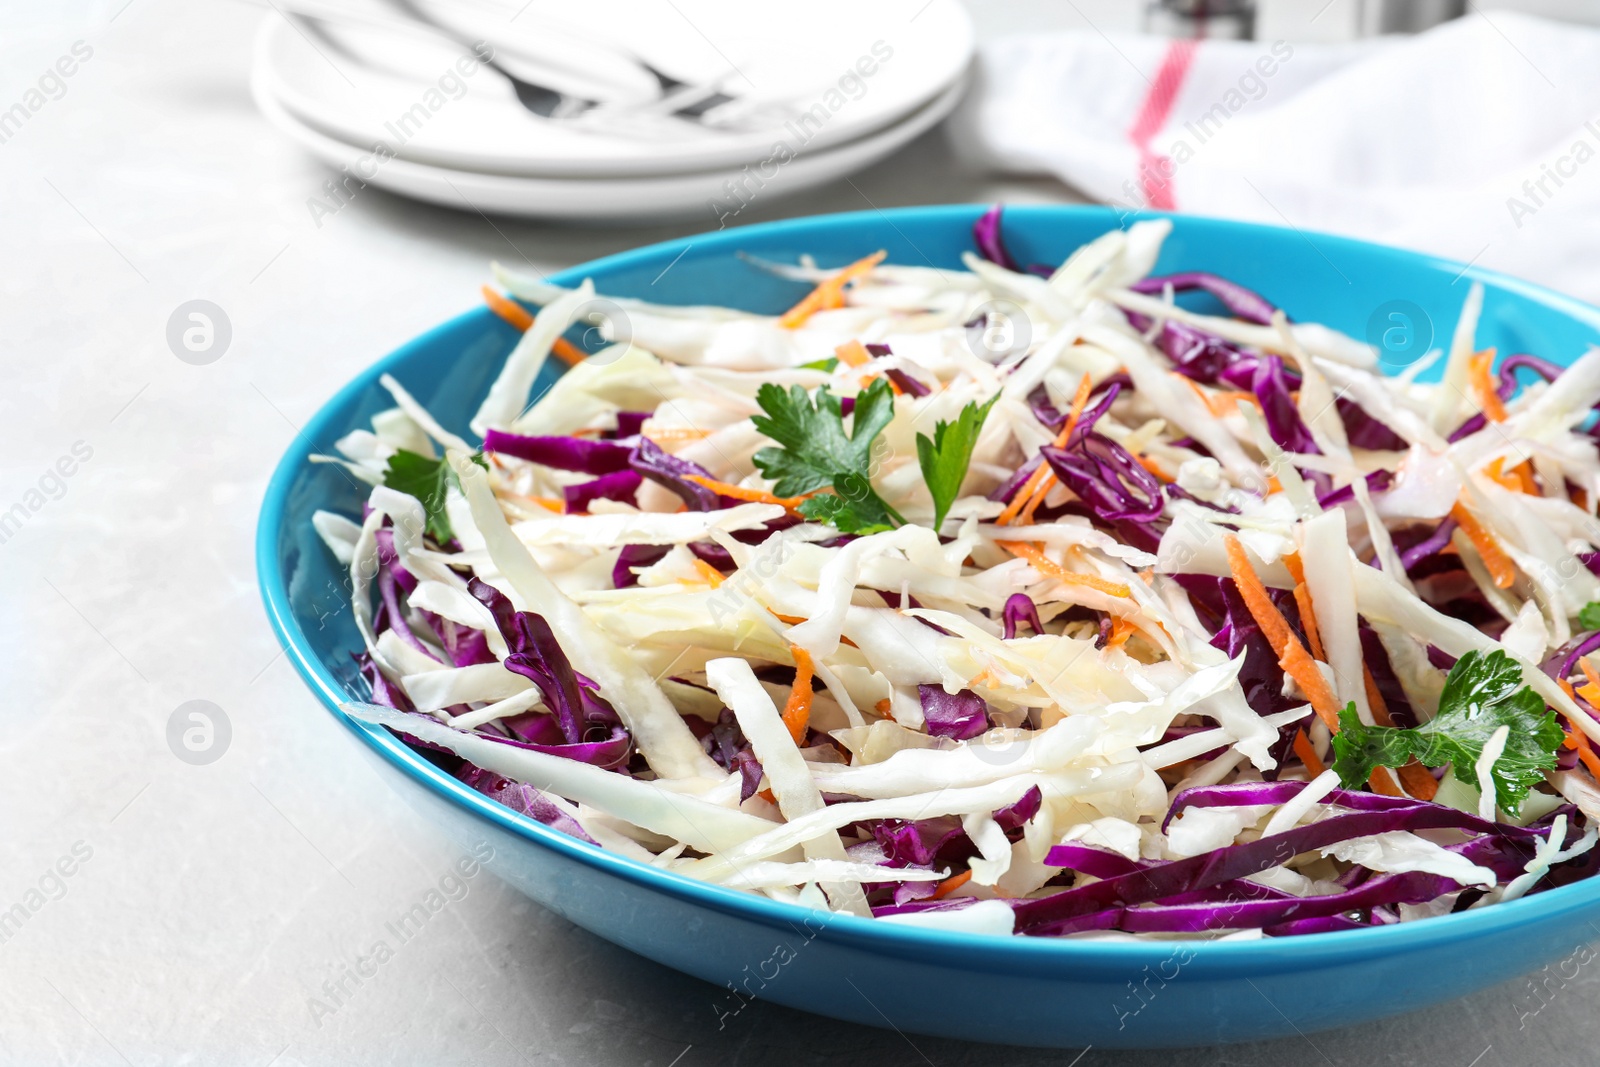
809,54
706,194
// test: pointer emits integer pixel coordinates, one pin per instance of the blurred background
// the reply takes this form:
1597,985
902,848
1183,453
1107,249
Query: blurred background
216,213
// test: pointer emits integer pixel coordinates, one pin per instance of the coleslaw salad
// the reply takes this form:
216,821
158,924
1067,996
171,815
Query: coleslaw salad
838,608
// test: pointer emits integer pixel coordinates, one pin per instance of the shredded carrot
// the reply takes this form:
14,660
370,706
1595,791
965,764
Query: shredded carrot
518,316
1205,397
1262,609
1041,480
1509,481
766,794
1080,400
1589,673
1226,403
1501,569
830,293
1577,739
1049,567
1308,754
1298,664
1302,601
712,576
795,620
1383,782
1121,630
1524,474
1292,655
757,496
510,310
567,352
1026,518
1308,620
1025,494
1416,780
1222,402
882,706
677,434
1379,706
984,678
1518,479
1581,498
950,885
797,710
853,354
1484,386
1153,467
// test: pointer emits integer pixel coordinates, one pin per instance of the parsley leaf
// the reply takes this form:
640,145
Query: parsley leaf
426,479
821,364
945,458
1589,617
816,453
850,515
1481,694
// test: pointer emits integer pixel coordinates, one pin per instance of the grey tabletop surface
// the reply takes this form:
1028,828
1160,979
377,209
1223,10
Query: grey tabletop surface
206,905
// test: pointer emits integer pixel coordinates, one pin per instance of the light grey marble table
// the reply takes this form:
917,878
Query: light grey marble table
156,911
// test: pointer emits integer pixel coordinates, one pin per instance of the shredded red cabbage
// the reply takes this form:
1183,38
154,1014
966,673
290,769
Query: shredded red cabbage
562,453
1378,481
524,798
725,743
960,715
1429,545
632,556
1014,815
1050,914
618,485
1283,420
986,235
1019,609
1107,478
1242,302
923,842
906,382
662,467
631,423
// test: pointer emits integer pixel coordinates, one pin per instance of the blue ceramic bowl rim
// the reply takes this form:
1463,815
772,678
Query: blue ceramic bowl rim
981,951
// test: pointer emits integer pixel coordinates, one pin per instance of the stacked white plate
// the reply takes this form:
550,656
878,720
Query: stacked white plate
671,108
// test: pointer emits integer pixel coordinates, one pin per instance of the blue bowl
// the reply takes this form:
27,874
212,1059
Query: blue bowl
1026,991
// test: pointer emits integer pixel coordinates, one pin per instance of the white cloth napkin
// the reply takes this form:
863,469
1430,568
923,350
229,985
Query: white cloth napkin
1479,140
